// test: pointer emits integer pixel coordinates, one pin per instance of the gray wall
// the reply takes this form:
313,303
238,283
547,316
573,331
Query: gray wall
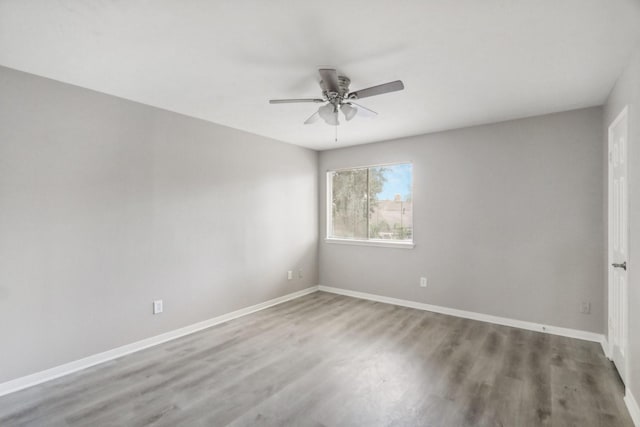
106,204
627,92
507,221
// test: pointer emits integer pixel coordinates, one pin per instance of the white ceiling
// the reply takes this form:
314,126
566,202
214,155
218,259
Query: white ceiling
463,62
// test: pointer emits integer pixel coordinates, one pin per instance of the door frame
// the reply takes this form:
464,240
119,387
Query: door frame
624,113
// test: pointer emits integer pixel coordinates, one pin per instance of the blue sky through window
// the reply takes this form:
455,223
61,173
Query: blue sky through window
399,181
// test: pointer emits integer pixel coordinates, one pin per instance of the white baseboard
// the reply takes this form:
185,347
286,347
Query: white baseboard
554,330
77,365
605,347
632,406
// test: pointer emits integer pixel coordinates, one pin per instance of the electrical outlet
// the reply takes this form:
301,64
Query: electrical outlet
289,274
585,307
423,282
157,306
300,274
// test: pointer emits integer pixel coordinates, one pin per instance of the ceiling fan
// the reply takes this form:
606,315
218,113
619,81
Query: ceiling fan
336,97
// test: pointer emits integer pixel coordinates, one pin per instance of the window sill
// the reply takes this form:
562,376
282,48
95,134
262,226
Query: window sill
375,243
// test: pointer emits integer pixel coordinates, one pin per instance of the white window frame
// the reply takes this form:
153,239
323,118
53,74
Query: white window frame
381,243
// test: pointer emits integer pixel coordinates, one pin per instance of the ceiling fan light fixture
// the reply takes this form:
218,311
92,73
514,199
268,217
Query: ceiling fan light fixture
349,111
325,111
329,114
333,119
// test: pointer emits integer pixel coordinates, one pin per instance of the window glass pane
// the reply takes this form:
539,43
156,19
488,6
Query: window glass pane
349,195
373,203
391,202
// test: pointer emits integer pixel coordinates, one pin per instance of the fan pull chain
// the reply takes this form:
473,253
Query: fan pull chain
336,138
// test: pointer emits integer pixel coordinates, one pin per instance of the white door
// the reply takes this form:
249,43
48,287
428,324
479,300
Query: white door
618,242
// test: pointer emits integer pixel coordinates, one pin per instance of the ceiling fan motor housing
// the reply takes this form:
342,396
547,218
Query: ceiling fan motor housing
343,88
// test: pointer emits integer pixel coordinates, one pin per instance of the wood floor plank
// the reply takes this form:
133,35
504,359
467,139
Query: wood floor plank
329,360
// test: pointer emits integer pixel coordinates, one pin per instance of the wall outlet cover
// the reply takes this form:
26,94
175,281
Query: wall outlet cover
585,308
158,306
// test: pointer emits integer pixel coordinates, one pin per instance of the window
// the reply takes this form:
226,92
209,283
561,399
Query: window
372,204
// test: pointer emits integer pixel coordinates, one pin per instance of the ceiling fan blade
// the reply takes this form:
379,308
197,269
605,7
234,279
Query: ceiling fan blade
330,79
312,119
377,90
289,101
363,111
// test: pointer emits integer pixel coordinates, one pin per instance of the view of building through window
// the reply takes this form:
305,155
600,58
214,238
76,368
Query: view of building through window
373,203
